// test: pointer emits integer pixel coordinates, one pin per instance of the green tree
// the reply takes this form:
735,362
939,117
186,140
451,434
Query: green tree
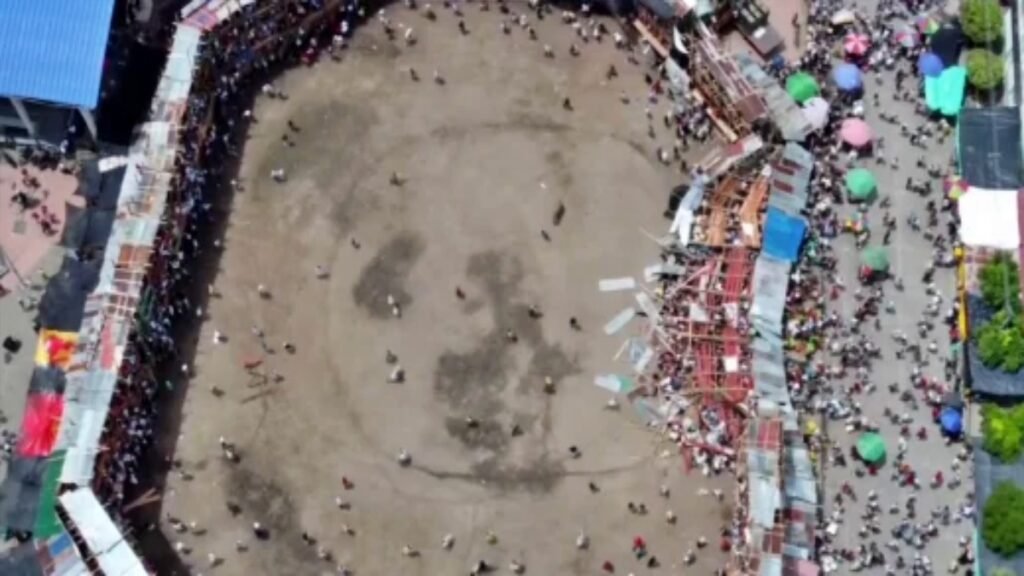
1002,431
984,69
1002,572
1000,282
982,21
1013,343
1002,524
1001,342
990,345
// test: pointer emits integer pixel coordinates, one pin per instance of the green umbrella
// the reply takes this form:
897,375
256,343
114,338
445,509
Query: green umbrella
802,87
875,258
861,184
871,447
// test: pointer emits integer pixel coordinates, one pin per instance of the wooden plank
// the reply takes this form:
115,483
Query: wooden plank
649,36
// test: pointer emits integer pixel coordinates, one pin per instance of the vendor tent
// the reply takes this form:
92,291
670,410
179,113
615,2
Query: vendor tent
63,303
856,44
946,43
21,492
945,93
47,379
989,148
990,219
929,64
926,24
847,77
55,349
855,132
844,16
875,258
861,185
871,447
783,235
48,524
40,424
816,112
802,87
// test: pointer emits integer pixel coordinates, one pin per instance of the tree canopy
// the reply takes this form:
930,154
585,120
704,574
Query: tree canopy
1002,525
982,21
1000,283
1001,339
984,69
1001,342
1002,431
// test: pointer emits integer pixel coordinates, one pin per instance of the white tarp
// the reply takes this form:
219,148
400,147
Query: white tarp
104,540
616,284
682,224
619,321
990,219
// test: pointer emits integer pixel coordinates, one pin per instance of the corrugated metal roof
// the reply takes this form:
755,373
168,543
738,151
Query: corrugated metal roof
114,555
53,50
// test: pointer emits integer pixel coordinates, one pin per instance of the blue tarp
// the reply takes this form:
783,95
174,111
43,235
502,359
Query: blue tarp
783,235
53,50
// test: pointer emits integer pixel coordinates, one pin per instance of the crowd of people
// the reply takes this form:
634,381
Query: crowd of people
841,348
235,57
852,359
855,367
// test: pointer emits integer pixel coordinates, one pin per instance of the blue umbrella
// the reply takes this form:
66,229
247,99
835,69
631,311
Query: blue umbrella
847,77
952,421
930,65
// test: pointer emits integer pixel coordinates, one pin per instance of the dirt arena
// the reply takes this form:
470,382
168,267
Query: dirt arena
486,158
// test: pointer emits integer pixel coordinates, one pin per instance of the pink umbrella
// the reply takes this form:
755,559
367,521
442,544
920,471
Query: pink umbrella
855,132
856,44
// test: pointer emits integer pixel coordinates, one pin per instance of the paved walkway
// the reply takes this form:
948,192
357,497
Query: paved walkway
22,239
910,253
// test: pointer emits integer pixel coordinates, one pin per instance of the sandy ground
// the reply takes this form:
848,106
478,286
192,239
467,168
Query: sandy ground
486,158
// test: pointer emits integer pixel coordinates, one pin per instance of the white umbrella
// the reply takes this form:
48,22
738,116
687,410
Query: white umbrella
844,16
816,112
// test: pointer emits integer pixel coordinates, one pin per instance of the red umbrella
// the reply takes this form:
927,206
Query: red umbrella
856,44
40,424
855,132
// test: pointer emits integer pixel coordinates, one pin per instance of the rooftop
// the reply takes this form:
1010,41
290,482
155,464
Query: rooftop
53,50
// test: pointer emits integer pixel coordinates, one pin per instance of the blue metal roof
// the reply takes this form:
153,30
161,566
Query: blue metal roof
53,50
783,235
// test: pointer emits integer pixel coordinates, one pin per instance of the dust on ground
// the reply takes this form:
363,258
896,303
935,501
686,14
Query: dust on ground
485,160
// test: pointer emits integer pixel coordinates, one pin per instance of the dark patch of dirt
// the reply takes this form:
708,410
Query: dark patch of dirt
265,501
472,384
387,273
